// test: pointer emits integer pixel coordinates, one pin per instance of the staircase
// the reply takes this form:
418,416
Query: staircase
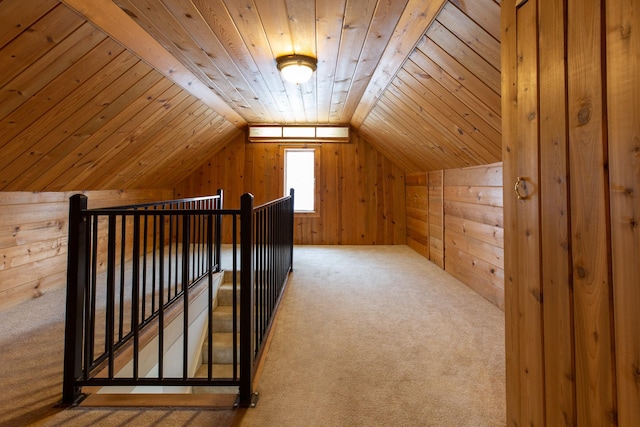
222,338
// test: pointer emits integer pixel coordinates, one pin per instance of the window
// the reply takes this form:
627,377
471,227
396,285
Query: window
299,174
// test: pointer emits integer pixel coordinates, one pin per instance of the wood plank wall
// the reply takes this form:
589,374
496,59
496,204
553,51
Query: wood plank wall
571,102
463,229
417,208
436,218
473,233
623,139
361,194
33,238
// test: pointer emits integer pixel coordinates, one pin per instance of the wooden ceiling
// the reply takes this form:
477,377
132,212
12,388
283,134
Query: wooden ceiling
138,93
442,108
232,45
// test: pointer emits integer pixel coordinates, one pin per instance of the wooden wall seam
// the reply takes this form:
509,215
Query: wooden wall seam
595,379
473,233
77,110
417,208
508,60
623,133
455,219
527,209
559,360
576,63
436,218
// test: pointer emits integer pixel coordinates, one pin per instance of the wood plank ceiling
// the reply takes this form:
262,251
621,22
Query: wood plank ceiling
92,97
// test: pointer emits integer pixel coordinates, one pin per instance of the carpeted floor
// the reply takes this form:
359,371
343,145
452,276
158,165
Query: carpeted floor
366,336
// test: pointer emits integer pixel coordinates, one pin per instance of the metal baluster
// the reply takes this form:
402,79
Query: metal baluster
111,293
135,296
185,295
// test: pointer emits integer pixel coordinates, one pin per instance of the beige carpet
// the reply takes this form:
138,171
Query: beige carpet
366,336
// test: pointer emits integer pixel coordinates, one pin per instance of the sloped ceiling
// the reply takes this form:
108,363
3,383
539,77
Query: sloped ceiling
442,108
138,93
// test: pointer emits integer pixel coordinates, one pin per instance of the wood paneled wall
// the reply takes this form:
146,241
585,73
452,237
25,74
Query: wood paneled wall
571,103
473,233
417,207
33,238
436,217
455,219
361,193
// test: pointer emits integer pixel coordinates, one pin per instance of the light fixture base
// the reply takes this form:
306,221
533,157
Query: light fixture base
296,68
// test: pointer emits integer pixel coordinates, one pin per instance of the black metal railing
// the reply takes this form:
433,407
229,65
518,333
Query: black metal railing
134,269
268,265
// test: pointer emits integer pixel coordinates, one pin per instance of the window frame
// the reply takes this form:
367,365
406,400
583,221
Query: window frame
316,172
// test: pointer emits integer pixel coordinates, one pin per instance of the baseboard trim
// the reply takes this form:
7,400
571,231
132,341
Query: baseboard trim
208,401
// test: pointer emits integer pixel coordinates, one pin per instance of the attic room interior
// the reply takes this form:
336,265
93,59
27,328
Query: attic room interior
493,147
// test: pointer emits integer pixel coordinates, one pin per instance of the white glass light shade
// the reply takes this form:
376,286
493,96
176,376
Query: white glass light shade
296,68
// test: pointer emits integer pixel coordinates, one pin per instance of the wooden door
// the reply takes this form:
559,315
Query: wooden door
571,157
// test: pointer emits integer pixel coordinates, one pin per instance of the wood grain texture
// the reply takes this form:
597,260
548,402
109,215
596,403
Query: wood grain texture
33,242
623,110
477,274
509,92
586,138
449,92
527,252
231,48
406,35
77,75
78,110
483,12
436,218
473,234
417,208
361,195
224,53
454,218
559,360
51,29
114,22
592,285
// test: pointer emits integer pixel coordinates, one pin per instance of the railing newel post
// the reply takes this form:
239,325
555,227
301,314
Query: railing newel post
76,281
246,300
292,226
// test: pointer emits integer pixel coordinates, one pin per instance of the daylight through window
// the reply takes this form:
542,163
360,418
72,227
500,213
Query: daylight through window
299,174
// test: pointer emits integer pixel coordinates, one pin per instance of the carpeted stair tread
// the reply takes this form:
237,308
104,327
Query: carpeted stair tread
220,371
222,348
225,294
223,318
228,276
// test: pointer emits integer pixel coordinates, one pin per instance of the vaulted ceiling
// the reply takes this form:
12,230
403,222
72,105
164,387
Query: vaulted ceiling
101,94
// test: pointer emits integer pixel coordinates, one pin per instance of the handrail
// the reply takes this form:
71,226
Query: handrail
166,202
267,254
144,261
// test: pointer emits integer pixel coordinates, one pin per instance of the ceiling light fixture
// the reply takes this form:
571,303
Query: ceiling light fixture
296,68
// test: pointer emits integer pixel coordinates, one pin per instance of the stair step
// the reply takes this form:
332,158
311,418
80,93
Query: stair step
222,351
225,294
228,276
220,371
223,318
